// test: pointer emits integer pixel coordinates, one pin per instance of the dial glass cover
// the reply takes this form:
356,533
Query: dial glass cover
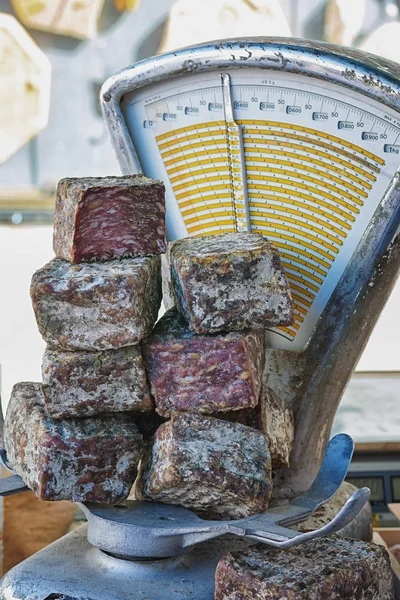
304,162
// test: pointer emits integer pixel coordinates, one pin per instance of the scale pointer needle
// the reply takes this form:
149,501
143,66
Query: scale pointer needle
237,165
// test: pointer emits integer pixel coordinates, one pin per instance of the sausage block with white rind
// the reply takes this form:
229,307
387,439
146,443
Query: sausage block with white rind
325,569
97,306
229,282
274,419
219,469
83,384
82,460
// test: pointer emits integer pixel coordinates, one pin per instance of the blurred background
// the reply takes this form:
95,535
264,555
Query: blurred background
54,56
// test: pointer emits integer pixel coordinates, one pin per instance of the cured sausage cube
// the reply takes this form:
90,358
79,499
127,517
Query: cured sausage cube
204,374
83,384
274,419
82,460
96,306
101,218
324,569
219,469
229,282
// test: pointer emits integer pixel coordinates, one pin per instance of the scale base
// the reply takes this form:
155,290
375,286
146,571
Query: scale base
72,569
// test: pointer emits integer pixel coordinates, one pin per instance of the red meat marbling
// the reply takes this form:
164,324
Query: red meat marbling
101,218
200,373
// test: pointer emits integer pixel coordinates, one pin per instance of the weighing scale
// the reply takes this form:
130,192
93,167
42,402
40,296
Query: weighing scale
133,550
299,141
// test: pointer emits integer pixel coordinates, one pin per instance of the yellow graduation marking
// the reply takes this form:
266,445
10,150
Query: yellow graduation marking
298,231
225,169
194,136
192,159
260,142
196,182
297,250
300,309
307,168
300,289
311,151
208,207
302,206
288,192
312,142
172,134
301,300
317,133
201,144
292,265
283,236
188,163
199,218
194,192
191,179
221,224
317,201
297,259
292,211
304,283
202,199
291,327
220,230
303,177
194,155
195,163
303,186
268,216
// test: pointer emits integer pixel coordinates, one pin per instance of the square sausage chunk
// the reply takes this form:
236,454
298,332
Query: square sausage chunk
324,569
274,419
97,306
101,218
229,282
200,373
82,460
277,423
219,469
83,384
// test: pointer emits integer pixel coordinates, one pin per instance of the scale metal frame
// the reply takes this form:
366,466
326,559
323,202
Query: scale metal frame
132,550
311,379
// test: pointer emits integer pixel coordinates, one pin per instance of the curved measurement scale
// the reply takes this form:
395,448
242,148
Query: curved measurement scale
301,161
299,140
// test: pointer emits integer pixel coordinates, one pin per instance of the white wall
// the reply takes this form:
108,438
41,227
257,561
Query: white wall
25,249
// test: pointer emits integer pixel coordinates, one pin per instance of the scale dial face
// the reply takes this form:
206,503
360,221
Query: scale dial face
302,161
